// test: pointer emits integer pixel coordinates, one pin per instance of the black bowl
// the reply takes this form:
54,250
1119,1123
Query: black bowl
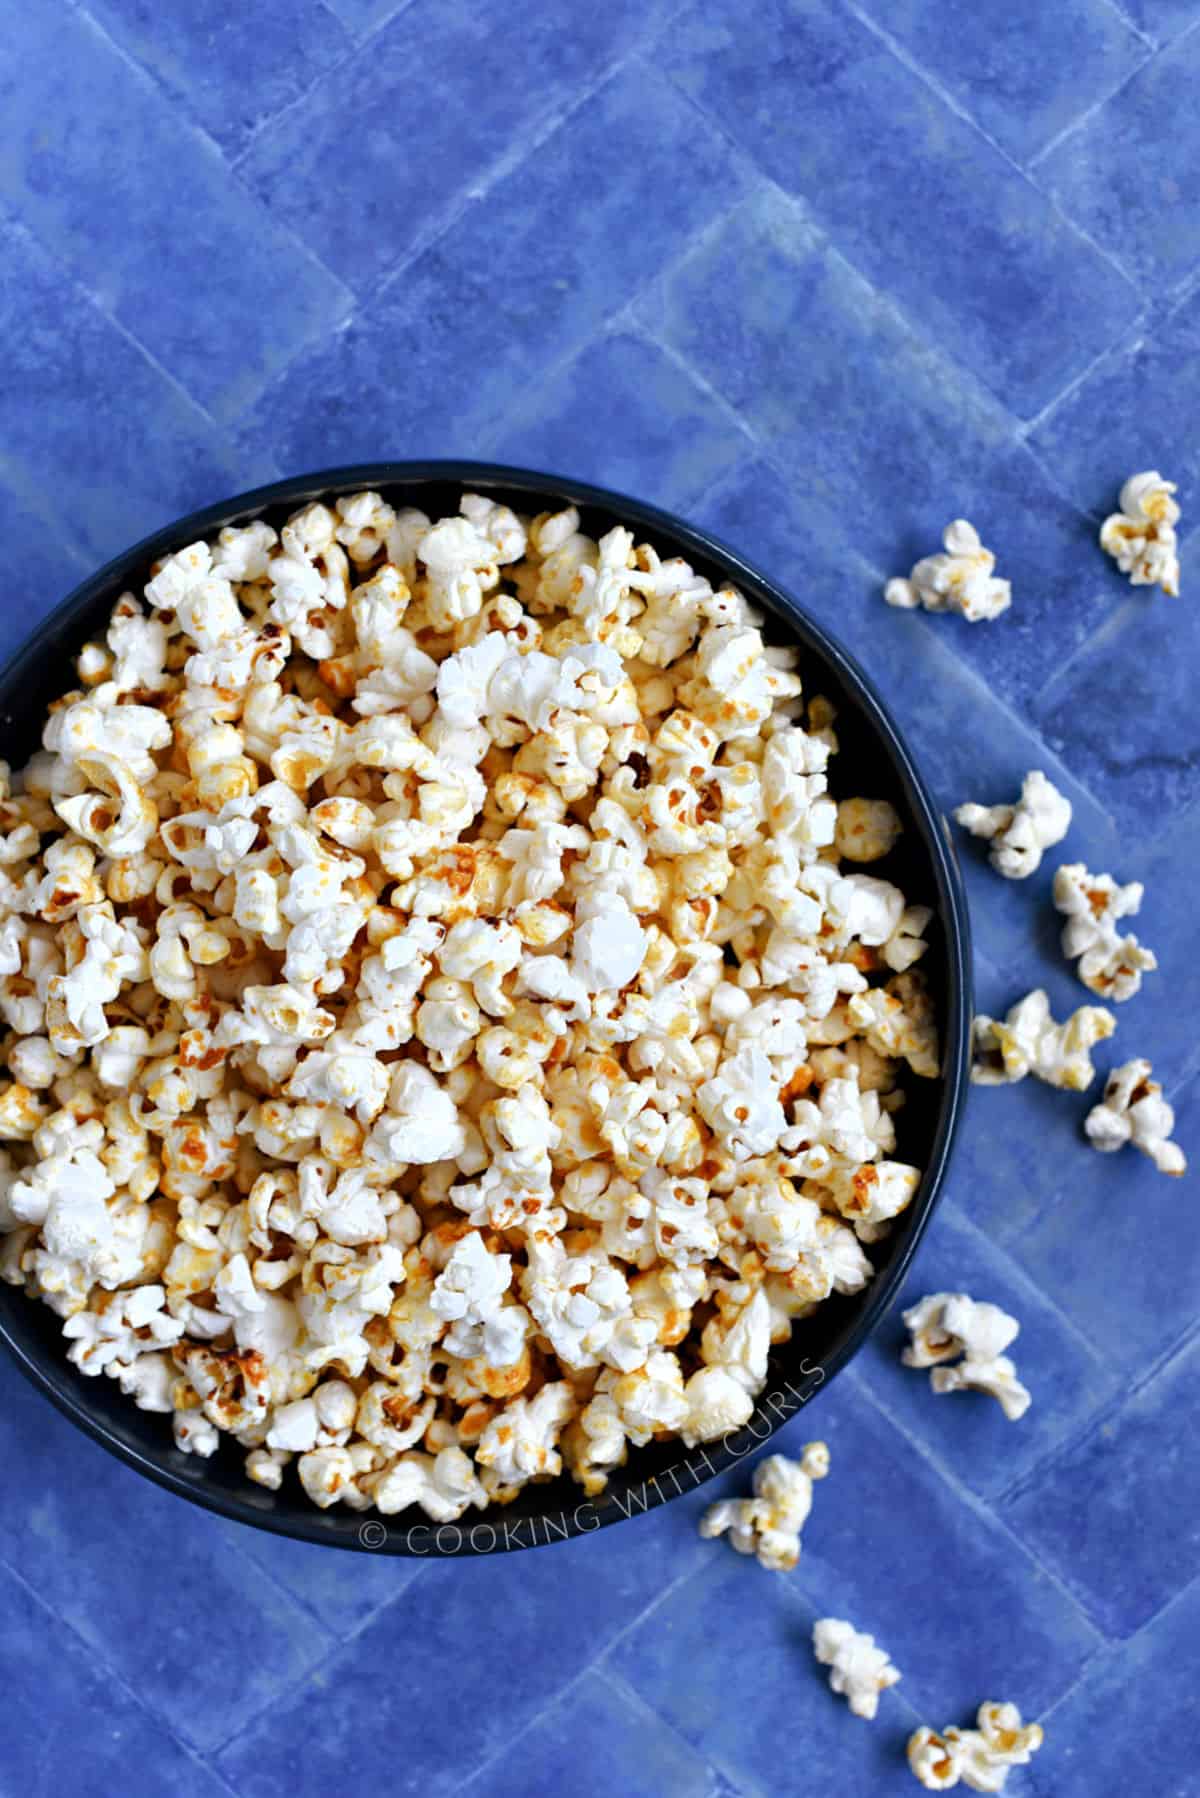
873,760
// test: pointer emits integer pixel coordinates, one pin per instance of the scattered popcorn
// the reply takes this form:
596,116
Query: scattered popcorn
1141,536
768,1525
1020,833
451,1035
947,1325
979,1757
960,580
1028,1041
859,1671
1133,1110
1109,964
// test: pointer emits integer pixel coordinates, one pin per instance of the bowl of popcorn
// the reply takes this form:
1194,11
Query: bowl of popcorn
485,1007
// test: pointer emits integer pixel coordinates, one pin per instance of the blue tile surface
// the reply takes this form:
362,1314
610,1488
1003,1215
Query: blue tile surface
609,1740
235,68
641,408
1128,173
1145,753
1105,1719
878,155
56,1694
331,170
1004,64
822,280
449,349
217,289
1105,1511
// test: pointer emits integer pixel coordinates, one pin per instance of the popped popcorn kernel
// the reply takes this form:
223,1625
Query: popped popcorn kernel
948,1325
1020,833
960,579
1141,537
859,1670
980,1758
1133,1110
1106,962
1028,1041
768,1525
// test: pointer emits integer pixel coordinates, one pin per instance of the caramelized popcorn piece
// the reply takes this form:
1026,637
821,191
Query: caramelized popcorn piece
1109,964
768,1525
980,1757
1133,1110
959,580
1140,537
1028,1041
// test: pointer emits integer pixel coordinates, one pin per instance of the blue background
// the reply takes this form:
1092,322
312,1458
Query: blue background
822,276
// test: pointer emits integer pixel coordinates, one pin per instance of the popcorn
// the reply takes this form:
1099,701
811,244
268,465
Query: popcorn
1133,1110
1109,964
740,1104
768,1525
949,1324
1030,1042
1141,536
452,1033
1022,832
859,1670
980,1757
960,580
519,1445
867,829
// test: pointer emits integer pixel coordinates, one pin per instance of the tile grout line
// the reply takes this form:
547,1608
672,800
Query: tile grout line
1125,607
1120,1646
629,1694
624,322
354,46
337,1644
508,162
595,1665
935,86
970,386
93,1653
1176,1350
979,1507
1089,113
150,80
1022,1278
67,270
1116,7
1125,346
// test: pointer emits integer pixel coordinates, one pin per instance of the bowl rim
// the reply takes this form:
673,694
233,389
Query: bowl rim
370,1531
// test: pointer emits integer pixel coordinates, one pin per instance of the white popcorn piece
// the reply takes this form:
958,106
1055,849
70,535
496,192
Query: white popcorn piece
438,989
867,829
768,1525
947,1325
1028,1041
1108,964
980,1758
1020,833
1133,1110
958,580
1141,535
859,1670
